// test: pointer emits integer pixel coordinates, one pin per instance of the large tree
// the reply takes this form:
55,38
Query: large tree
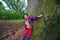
46,27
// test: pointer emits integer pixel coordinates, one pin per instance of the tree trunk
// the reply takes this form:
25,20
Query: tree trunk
44,27
31,6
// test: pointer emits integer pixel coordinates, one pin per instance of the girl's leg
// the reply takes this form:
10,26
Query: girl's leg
22,38
27,38
29,33
24,34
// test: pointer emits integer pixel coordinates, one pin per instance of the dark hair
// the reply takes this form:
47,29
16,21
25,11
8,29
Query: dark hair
25,14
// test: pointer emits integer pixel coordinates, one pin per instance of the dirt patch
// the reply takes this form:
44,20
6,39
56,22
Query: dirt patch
10,31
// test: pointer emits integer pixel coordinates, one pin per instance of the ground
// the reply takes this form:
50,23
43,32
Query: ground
10,31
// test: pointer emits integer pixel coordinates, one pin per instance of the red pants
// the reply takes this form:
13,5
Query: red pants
27,32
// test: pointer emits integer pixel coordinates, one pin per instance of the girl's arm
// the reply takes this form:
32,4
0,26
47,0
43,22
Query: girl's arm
36,17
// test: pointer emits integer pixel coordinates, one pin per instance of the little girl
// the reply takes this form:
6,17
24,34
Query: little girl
27,24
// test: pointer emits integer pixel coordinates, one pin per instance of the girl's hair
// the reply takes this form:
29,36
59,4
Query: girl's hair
25,14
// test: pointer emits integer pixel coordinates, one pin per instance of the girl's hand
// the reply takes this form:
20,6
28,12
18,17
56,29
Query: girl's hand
40,15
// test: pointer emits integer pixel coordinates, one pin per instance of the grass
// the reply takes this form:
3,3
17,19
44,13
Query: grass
15,21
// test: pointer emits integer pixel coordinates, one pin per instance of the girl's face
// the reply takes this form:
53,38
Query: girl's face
25,16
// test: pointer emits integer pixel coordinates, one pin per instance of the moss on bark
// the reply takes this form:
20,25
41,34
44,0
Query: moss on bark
45,28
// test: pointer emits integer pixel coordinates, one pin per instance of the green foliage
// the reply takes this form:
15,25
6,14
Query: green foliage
1,6
15,5
13,13
6,15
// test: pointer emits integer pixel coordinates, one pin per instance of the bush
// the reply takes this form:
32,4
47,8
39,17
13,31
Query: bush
8,15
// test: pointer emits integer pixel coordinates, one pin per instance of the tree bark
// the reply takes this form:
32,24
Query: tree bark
43,26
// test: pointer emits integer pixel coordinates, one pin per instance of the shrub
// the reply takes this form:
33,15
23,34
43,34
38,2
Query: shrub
7,15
